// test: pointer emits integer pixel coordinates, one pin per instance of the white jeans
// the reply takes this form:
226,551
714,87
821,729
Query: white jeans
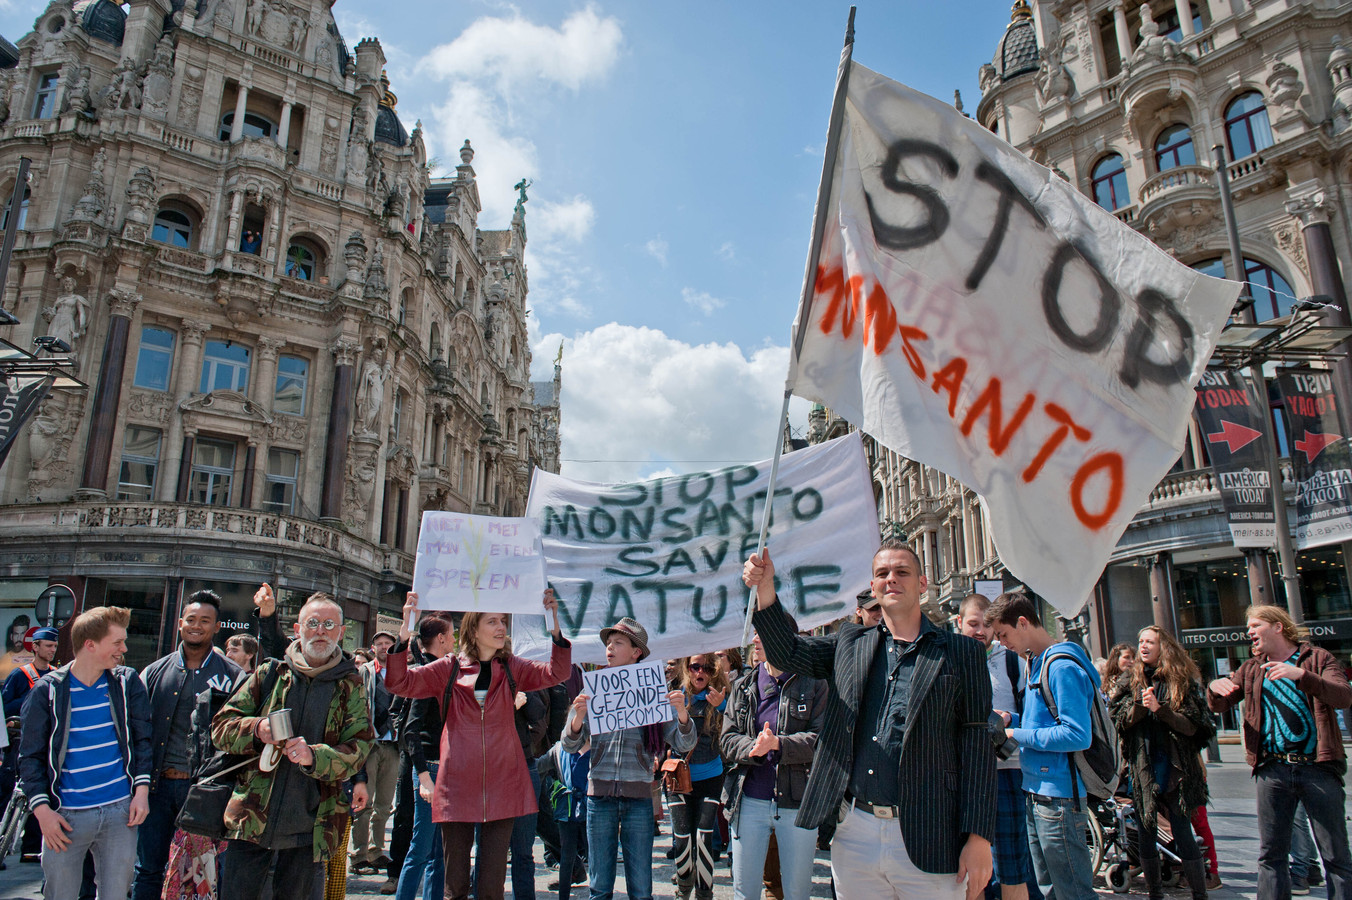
869,861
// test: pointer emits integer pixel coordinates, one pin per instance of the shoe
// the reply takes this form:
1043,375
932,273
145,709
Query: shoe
381,862
31,858
1315,876
1300,886
390,886
1213,881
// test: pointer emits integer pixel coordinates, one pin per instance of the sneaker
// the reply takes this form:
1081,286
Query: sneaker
390,886
1300,886
1315,876
31,858
381,862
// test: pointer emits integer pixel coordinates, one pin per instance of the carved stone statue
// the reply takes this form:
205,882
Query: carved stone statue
68,317
358,144
1154,46
298,30
257,10
371,390
1053,81
78,97
361,476
50,434
140,194
159,80
987,77
376,289
124,89
90,205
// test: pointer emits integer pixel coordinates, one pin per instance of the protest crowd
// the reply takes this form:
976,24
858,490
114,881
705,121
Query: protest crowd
928,762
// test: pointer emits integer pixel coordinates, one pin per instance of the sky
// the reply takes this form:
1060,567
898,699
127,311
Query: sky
674,151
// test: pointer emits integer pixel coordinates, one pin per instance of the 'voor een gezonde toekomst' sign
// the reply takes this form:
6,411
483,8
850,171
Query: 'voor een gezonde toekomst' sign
669,551
1321,459
623,697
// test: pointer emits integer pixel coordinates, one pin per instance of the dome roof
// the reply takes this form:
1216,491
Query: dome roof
1017,52
105,20
389,129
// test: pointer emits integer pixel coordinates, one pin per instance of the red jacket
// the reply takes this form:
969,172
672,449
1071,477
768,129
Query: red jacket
1322,679
479,747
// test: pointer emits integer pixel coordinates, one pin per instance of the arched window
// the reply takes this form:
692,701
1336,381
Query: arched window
1246,125
1272,294
255,126
434,342
397,417
304,260
23,209
1173,148
173,227
1110,183
405,300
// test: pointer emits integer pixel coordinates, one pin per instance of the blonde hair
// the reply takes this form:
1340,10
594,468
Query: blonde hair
94,624
469,636
1275,615
1175,668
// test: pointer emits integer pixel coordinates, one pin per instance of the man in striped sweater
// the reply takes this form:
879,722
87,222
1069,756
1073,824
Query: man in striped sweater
85,758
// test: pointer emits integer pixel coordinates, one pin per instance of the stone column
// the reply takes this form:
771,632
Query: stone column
340,425
1124,48
187,379
233,228
284,129
247,487
1184,9
265,380
1313,207
237,124
185,466
107,396
1162,592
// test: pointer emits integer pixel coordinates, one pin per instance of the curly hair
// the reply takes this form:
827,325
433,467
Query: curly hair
717,681
1175,668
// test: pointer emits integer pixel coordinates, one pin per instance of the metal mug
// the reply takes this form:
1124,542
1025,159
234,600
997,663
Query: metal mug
279,720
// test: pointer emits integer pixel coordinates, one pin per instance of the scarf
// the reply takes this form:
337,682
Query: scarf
296,659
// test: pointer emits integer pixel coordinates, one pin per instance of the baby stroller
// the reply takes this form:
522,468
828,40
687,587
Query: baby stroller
1119,832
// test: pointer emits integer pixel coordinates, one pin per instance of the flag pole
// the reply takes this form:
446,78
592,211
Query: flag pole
819,216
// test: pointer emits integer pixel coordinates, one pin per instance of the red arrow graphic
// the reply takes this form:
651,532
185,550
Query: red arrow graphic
1234,436
1314,444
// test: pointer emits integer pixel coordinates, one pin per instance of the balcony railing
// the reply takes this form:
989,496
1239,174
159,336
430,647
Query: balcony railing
1177,178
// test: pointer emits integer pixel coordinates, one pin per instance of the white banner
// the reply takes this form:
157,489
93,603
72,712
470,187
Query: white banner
669,552
978,313
627,696
478,564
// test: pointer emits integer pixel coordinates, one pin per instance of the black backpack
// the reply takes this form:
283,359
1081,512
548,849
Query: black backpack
1101,764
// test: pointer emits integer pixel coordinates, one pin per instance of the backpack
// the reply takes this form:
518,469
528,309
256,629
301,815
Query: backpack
1012,672
1101,763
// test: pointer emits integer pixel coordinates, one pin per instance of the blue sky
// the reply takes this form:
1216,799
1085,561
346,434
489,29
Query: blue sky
675,150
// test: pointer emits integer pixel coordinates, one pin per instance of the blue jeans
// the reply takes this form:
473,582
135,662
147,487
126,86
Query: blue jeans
1281,786
1303,858
615,824
756,820
1056,839
101,831
424,851
523,844
157,833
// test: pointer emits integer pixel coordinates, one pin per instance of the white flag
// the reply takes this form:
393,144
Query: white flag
669,552
975,312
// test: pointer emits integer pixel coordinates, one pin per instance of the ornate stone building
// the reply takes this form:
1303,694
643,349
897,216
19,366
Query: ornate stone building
1125,100
295,339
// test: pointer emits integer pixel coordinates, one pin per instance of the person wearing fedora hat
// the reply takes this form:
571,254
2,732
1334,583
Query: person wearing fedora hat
868,609
619,792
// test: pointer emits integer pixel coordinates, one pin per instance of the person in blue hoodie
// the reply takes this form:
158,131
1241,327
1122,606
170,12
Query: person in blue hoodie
1057,809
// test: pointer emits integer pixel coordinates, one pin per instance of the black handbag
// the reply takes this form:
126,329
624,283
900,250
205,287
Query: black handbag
203,809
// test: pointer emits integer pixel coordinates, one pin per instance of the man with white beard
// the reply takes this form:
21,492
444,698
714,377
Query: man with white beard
297,809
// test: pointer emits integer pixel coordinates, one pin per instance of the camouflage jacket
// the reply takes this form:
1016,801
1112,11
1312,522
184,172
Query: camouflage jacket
348,739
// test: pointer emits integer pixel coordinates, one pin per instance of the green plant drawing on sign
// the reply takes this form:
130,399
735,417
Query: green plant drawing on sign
478,558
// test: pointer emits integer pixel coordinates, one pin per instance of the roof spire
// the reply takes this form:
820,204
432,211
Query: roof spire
1020,10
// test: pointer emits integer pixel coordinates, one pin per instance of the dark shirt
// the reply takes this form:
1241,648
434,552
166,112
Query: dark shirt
759,783
1288,720
178,746
882,718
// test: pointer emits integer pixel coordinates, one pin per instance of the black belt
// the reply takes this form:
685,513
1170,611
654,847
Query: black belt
1292,758
1042,798
873,809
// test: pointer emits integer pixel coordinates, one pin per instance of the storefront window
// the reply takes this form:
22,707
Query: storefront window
1211,593
1323,583
145,597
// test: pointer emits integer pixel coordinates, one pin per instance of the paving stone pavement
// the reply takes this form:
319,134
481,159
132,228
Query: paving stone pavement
1232,812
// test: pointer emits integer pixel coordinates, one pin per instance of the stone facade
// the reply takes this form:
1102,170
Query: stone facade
295,339
1096,90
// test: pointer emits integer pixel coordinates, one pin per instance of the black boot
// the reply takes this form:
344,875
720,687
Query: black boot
1194,870
1154,884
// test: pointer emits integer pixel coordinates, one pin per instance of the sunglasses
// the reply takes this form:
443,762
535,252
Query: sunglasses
314,624
699,667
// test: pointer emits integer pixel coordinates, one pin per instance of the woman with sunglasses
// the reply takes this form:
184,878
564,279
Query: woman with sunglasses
482,782
694,816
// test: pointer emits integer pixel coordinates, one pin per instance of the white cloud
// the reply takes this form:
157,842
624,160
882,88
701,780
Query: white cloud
570,221
637,402
727,252
557,277
701,300
657,248
499,70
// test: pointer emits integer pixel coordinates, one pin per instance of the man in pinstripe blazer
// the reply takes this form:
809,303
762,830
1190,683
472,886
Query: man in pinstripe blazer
904,760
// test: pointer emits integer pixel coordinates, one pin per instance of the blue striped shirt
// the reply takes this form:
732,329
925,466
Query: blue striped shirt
92,773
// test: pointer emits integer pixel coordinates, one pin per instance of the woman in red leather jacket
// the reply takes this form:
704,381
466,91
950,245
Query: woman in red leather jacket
479,685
